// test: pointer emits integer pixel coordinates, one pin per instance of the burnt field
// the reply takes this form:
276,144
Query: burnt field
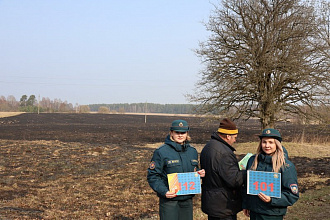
93,166
132,129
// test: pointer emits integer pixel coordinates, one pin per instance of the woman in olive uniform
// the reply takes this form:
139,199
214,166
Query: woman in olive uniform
270,157
176,155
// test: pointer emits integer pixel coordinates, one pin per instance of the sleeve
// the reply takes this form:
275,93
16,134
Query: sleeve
230,172
290,193
196,157
244,198
244,187
155,175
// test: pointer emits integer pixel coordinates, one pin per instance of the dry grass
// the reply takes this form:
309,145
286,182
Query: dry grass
295,149
56,180
70,180
313,204
9,114
307,150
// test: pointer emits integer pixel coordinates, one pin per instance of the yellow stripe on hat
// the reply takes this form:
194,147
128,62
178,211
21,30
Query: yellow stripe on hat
225,131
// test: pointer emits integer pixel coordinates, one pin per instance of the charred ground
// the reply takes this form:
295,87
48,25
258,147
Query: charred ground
132,129
74,166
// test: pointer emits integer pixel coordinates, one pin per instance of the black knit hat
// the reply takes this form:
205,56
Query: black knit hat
227,126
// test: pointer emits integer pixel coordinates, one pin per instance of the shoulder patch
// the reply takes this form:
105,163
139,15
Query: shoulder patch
294,188
287,165
152,165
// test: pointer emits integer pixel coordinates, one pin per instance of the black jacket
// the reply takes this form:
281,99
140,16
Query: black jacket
221,196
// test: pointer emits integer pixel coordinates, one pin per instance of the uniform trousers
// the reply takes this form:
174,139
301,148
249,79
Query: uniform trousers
175,210
232,217
256,216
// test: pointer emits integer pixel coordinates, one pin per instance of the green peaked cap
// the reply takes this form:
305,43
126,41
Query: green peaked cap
180,126
270,132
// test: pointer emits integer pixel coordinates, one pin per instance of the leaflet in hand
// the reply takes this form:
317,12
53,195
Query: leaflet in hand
242,163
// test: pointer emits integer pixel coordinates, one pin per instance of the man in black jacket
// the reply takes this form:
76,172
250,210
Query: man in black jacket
221,196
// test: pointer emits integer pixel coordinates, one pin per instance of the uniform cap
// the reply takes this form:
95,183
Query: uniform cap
180,126
270,132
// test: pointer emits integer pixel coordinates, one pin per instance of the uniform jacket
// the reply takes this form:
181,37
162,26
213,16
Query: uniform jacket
289,188
171,157
221,194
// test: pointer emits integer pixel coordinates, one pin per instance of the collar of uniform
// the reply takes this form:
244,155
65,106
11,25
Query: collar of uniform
265,158
176,146
218,138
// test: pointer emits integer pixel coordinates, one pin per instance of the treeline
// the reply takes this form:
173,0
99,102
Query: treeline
32,104
144,108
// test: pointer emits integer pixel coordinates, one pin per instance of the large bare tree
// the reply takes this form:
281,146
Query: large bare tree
263,58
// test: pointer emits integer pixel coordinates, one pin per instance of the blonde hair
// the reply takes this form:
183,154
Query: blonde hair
277,158
187,139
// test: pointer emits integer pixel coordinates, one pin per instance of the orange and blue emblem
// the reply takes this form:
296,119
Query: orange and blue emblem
294,188
152,165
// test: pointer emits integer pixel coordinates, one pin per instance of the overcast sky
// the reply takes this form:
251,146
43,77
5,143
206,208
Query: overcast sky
102,51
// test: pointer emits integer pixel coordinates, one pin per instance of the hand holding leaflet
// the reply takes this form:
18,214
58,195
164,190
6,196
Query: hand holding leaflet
242,163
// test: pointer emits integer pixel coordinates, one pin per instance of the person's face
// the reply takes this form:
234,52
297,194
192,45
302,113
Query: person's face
179,137
231,139
268,145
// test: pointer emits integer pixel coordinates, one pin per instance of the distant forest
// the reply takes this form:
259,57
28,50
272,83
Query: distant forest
33,104
144,108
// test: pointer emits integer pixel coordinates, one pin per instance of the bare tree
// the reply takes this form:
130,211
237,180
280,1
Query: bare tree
84,109
13,104
45,104
262,58
103,110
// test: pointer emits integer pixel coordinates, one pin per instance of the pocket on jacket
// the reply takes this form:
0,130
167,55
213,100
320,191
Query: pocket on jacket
194,163
173,167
